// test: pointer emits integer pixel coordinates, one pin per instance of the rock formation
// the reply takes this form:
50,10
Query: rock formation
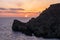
46,25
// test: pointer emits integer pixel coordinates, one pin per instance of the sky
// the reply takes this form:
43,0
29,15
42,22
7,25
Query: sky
24,6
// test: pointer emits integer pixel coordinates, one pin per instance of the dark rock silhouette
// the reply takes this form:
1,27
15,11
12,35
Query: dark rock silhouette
19,26
46,25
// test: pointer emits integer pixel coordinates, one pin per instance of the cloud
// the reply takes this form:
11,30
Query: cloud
3,9
16,9
11,10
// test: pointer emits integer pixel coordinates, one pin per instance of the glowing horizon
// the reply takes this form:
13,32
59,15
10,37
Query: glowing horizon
25,6
23,14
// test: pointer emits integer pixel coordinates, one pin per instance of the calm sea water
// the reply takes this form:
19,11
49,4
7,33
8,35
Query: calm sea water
6,32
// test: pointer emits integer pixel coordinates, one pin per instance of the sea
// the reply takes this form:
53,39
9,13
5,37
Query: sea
6,32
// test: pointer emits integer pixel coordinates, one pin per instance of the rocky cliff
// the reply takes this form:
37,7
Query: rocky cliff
46,25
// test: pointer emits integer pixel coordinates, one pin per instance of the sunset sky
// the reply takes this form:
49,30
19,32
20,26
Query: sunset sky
27,6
